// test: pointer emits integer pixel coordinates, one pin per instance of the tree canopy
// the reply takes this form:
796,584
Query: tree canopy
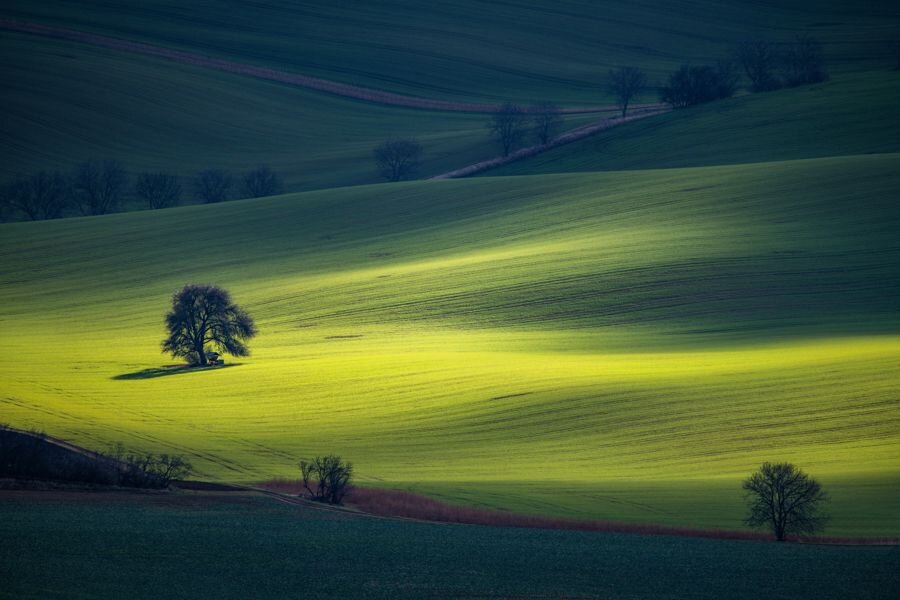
204,316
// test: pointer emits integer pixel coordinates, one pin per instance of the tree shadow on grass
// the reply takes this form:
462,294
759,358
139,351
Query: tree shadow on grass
154,372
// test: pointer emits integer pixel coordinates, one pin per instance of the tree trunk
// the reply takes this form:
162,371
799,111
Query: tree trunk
201,355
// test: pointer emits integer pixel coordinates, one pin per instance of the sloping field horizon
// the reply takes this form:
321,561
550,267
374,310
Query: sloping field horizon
640,340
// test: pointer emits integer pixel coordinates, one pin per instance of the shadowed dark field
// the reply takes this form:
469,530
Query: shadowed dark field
410,505
201,544
165,371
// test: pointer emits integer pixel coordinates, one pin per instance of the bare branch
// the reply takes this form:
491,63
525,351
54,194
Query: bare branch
625,83
398,158
507,126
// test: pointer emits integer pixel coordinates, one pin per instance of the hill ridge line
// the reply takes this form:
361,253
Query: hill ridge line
305,81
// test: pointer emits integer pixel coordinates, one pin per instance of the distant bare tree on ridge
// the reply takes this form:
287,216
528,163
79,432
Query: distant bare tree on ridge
547,120
398,158
626,83
260,182
507,126
212,185
98,185
158,190
44,195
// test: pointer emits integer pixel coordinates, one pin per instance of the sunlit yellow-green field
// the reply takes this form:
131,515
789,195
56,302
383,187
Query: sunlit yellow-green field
619,345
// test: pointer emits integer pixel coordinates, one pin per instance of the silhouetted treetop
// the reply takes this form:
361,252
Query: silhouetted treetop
204,316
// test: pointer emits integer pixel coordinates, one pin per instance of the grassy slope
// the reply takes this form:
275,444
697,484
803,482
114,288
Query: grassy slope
66,102
673,328
519,50
200,546
852,114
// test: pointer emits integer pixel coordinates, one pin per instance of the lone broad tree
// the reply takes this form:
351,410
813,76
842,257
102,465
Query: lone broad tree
204,316
784,499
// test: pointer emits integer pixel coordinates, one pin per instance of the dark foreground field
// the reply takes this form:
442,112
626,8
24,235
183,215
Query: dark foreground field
240,545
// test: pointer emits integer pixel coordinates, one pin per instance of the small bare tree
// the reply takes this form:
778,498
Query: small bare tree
759,60
326,478
212,185
44,195
626,83
158,190
170,467
507,126
784,499
806,62
547,120
398,158
148,470
97,186
260,182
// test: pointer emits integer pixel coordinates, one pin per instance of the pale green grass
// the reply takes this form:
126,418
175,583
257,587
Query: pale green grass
668,329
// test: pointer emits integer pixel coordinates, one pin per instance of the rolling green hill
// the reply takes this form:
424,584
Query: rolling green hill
697,293
621,345
522,50
66,102
852,114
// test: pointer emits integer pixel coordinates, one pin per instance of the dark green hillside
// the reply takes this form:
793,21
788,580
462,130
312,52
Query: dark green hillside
195,545
852,114
523,50
65,102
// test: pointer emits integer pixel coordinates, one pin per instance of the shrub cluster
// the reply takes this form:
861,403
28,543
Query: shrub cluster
766,66
326,478
148,470
689,86
31,456
770,67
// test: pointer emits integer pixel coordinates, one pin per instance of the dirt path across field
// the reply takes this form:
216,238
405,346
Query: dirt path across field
574,135
313,83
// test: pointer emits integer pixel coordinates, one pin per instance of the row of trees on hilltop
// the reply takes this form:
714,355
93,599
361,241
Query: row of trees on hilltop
512,124
399,159
767,67
99,187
